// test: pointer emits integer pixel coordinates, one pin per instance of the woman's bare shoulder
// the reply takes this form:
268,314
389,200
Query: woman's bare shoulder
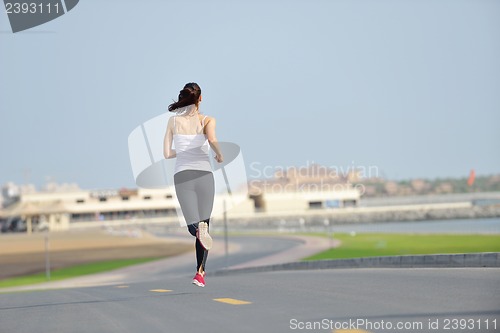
209,119
171,121
206,118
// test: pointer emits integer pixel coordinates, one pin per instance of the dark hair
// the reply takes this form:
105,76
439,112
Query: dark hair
190,94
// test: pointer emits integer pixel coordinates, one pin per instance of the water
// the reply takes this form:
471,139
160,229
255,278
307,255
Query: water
459,226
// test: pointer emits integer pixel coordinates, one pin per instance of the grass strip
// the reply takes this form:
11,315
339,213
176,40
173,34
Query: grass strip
389,244
73,271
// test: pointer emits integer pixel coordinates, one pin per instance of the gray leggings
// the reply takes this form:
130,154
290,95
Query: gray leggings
195,190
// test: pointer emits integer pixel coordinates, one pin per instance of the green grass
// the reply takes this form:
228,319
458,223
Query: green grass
73,271
380,244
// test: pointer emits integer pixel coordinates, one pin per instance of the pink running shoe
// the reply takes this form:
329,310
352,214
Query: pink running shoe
199,280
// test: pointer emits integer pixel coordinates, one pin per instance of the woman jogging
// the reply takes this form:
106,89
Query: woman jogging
192,133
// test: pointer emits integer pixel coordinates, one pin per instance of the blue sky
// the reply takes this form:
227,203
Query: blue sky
410,87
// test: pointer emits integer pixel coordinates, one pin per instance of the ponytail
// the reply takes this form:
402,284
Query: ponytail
190,94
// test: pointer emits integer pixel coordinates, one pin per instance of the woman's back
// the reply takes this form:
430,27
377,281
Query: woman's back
190,142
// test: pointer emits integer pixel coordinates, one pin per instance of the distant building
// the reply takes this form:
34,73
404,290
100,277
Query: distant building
391,188
420,185
304,188
446,187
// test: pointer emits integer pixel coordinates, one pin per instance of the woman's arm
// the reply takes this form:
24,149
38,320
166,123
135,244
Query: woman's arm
168,152
212,139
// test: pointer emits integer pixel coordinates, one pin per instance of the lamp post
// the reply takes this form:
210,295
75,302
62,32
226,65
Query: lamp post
47,255
226,247
329,231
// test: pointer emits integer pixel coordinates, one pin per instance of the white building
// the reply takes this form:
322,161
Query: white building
83,208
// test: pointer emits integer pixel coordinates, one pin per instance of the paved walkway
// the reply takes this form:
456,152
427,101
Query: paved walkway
310,245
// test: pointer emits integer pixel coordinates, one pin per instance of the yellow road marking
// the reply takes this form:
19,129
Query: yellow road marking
121,286
350,331
231,301
160,290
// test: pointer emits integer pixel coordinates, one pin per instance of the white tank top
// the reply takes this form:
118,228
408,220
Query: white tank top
191,149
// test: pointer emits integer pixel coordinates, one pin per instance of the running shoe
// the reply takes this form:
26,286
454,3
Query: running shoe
204,236
199,280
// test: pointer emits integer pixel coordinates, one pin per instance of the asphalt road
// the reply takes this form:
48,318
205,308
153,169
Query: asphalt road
270,302
250,248
339,300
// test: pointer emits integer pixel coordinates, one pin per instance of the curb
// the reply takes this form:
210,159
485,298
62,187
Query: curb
480,259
